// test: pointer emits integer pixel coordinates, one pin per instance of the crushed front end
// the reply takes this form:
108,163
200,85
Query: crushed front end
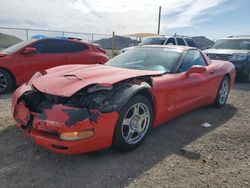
68,125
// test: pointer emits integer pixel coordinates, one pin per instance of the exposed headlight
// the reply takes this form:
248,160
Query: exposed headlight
77,135
239,57
36,75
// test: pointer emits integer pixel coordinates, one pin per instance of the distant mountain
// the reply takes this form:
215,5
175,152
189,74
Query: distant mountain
120,42
8,40
202,42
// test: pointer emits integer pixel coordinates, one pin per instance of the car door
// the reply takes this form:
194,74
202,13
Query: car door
49,53
192,90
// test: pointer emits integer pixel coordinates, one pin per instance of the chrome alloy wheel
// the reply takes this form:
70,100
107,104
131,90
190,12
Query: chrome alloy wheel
3,82
224,90
135,123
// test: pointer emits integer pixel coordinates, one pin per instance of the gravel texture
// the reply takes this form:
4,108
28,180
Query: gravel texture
180,153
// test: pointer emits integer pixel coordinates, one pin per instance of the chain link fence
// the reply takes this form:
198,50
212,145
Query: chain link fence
111,43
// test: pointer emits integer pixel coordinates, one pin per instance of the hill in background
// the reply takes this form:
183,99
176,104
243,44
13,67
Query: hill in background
8,40
120,42
123,42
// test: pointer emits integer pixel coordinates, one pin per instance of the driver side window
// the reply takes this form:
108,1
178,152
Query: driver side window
191,57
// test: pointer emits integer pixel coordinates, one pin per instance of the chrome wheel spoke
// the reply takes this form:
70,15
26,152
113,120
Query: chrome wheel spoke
223,93
126,121
129,136
136,109
3,82
135,123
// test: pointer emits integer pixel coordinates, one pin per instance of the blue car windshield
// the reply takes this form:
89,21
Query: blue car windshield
148,58
18,46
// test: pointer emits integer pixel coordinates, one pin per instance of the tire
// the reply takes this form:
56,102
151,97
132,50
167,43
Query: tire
247,77
6,81
222,94
126,136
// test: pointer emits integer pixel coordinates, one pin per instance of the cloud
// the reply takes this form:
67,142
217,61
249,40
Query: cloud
96,16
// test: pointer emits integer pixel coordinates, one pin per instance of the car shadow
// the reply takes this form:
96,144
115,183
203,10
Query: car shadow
5,96
107,168
243,86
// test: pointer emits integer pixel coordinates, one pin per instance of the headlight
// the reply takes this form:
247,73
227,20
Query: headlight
77,135
239,57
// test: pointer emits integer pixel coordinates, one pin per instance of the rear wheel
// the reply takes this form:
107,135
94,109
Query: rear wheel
6,82
134,124
247,77
222,93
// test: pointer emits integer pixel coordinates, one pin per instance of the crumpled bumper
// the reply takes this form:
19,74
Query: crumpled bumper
45,128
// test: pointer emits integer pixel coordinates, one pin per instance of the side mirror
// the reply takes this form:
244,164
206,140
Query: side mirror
208,47
195,69
29,50
140,44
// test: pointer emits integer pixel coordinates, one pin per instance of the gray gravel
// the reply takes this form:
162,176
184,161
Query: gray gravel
181,153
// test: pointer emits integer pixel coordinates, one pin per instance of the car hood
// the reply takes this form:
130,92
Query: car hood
224,51
67,80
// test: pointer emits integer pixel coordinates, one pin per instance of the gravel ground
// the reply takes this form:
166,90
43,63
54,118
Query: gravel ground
181,153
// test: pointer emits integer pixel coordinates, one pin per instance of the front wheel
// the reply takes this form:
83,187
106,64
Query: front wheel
134,123
222,93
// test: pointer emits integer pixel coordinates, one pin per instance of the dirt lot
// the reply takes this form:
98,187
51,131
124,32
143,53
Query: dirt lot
178,154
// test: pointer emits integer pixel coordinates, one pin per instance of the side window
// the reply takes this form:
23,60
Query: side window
38,46
190,42
191,57
51,46
171,40
180,41
77,47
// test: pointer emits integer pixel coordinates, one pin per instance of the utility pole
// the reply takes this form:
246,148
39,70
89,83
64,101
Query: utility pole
159,21
113,44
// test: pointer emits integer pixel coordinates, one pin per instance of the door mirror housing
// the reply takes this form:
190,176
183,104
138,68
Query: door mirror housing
29,50
195,69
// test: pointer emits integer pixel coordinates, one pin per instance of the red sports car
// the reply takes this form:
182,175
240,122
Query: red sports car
81,108
19,62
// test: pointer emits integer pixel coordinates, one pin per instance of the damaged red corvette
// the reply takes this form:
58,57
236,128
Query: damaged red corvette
75,109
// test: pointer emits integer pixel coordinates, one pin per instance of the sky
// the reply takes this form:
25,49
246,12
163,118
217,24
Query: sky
211,18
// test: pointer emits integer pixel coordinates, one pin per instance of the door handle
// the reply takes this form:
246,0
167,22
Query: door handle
211,72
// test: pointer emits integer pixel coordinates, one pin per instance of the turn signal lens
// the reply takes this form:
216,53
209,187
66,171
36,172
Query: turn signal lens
71,136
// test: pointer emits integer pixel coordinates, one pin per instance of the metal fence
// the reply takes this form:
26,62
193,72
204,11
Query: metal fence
26,33
112,43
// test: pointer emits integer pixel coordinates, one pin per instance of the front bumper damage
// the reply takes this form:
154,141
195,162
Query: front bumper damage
45,125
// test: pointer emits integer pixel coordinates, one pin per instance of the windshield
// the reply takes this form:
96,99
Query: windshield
154,59
148,41
17,46
236,44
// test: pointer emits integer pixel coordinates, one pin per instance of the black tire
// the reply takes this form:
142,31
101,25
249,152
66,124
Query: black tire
6,81
218,102
119,142
247,77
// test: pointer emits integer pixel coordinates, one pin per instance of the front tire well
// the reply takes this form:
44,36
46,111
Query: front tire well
11,74
228,75
146,93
